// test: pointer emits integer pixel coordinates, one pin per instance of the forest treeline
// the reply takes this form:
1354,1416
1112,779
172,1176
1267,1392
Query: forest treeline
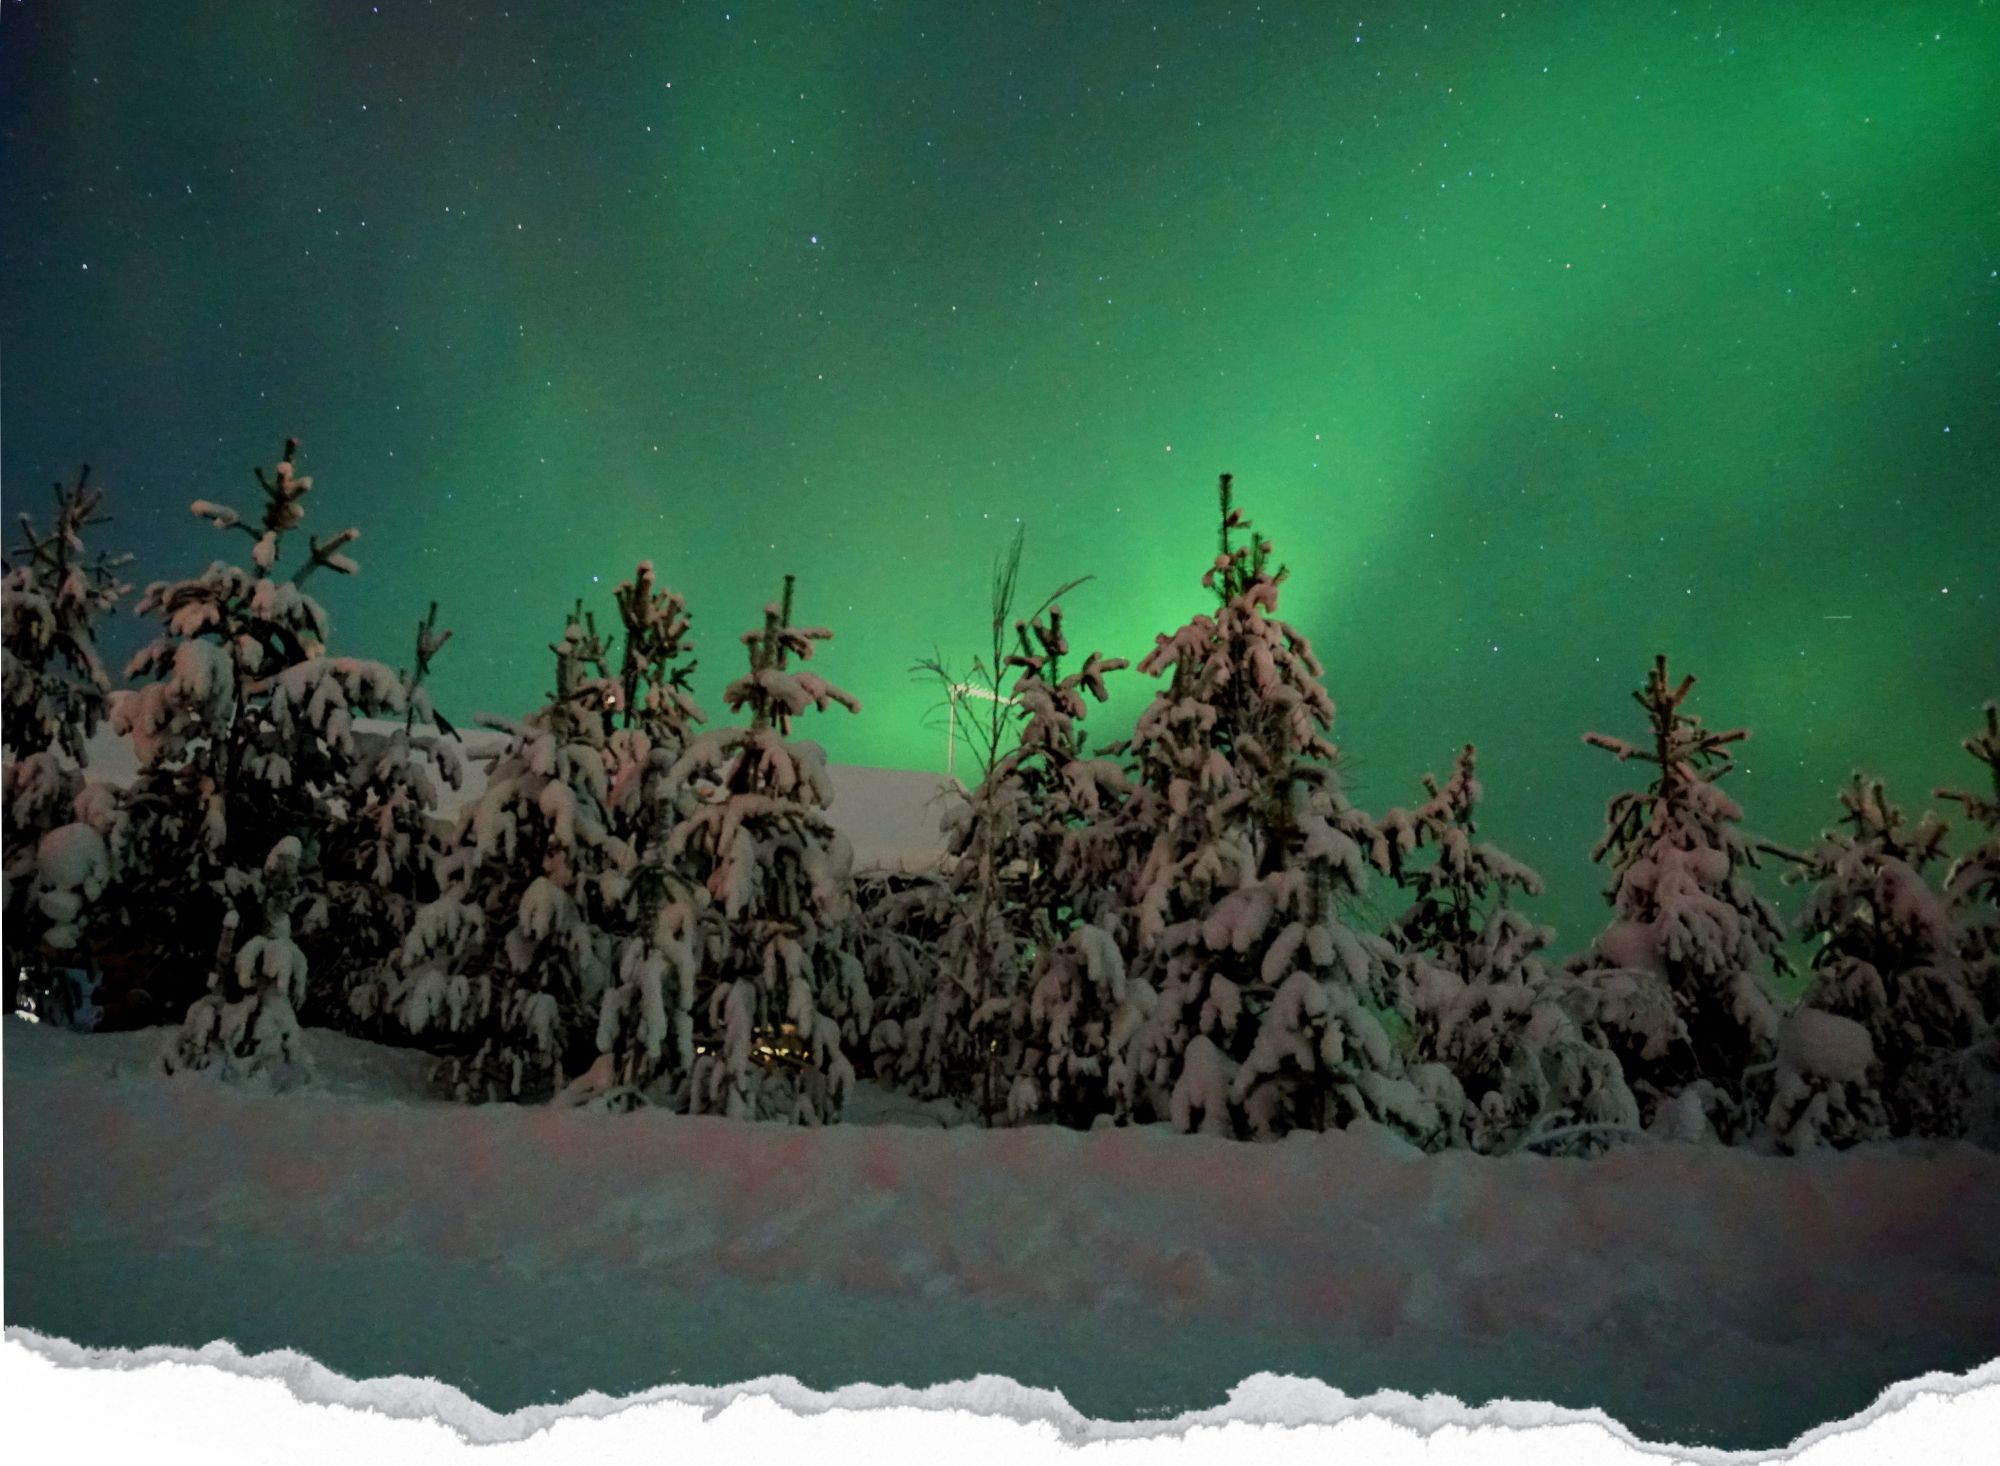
645,907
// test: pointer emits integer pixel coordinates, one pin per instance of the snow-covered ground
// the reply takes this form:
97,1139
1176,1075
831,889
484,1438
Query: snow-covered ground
528,1255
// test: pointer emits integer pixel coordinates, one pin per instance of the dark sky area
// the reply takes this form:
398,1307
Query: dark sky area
1539,337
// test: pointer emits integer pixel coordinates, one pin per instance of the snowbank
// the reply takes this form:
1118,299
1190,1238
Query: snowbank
527,1255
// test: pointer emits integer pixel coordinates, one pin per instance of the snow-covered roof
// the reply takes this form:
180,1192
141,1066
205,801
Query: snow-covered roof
891,816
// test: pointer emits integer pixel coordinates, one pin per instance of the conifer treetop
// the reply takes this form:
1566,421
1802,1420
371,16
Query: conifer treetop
263,624
773,694
1683,750
1690,759
56,681
1051,703
416,701
1238,568
1872,820
656,667
1984,746
284,509
1870,897
1244,682
1446,914
586,695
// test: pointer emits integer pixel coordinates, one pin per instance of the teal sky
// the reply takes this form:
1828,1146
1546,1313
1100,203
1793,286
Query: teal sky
1540,338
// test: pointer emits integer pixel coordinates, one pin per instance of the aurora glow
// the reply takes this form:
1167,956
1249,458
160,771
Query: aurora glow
1539,337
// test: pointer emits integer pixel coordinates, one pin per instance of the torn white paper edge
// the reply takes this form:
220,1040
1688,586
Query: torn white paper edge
1936,1418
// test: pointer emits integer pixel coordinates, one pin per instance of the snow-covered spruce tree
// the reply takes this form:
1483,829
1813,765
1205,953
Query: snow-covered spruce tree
1485,1005
1888,960
1270,1003
1689,925
1076,1013
956,1042
243,733
651,905
379,859
54,688
506,970
51,599
781,887
1972,885
964,1040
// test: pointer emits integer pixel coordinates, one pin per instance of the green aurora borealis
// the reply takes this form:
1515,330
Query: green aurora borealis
1540,338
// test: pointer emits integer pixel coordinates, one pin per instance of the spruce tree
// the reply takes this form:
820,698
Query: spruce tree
1030,1009
243,729
51,599
652,906
779,977
1689,923
1887,957
508,965
964,1042
1271,1004
1485,1005
380,857
1076,1012
53,690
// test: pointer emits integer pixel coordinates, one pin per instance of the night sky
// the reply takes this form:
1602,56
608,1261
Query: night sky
1540,338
